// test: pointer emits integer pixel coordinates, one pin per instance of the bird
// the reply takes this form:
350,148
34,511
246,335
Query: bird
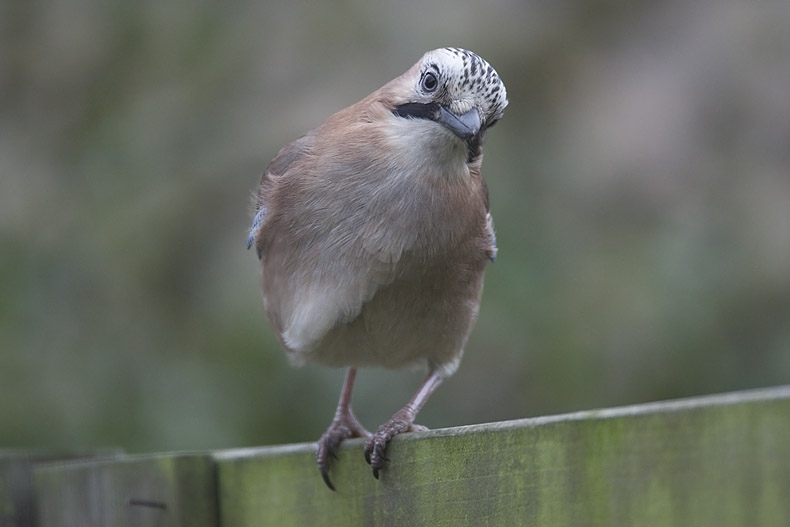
373,231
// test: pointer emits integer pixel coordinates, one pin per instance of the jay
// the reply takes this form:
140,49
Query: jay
373,231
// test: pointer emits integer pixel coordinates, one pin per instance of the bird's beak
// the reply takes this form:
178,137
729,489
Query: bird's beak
465,126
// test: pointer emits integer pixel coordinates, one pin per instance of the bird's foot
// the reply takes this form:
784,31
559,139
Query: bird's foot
344,426
376,445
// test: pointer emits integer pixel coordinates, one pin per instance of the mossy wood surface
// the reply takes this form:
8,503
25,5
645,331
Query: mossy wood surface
164,491
711,461
17,498
720,461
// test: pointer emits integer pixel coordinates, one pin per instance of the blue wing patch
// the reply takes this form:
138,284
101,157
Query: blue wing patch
256,223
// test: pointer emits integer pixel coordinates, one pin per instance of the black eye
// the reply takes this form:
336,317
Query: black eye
429,82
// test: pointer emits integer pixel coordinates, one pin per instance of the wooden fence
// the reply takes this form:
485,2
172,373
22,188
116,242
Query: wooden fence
710,461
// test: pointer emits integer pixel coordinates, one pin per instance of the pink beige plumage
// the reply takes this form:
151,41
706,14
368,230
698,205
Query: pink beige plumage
373,231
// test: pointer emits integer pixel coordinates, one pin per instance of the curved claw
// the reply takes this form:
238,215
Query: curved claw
375,450
328,445
344,426
341,429
326,449
374,455
402,421
325,476
376,445
378,459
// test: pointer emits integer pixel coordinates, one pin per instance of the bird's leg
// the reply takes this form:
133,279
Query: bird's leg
343,426
402,421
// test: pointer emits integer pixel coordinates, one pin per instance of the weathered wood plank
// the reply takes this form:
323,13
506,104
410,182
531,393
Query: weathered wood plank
141,491
17,499
719,460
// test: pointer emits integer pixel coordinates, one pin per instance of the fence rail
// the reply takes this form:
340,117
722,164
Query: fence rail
720,460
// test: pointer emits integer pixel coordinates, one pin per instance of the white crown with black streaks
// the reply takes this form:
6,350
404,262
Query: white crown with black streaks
464,81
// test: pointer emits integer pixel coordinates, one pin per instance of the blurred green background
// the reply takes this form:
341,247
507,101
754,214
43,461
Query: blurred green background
640,183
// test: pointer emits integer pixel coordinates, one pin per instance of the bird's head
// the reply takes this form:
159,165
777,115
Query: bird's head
456,89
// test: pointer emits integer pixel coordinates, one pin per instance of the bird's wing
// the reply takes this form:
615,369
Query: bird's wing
492,250
256,223
279,166
323,250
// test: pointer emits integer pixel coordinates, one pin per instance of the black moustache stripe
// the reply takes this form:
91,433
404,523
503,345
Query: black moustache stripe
417,110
